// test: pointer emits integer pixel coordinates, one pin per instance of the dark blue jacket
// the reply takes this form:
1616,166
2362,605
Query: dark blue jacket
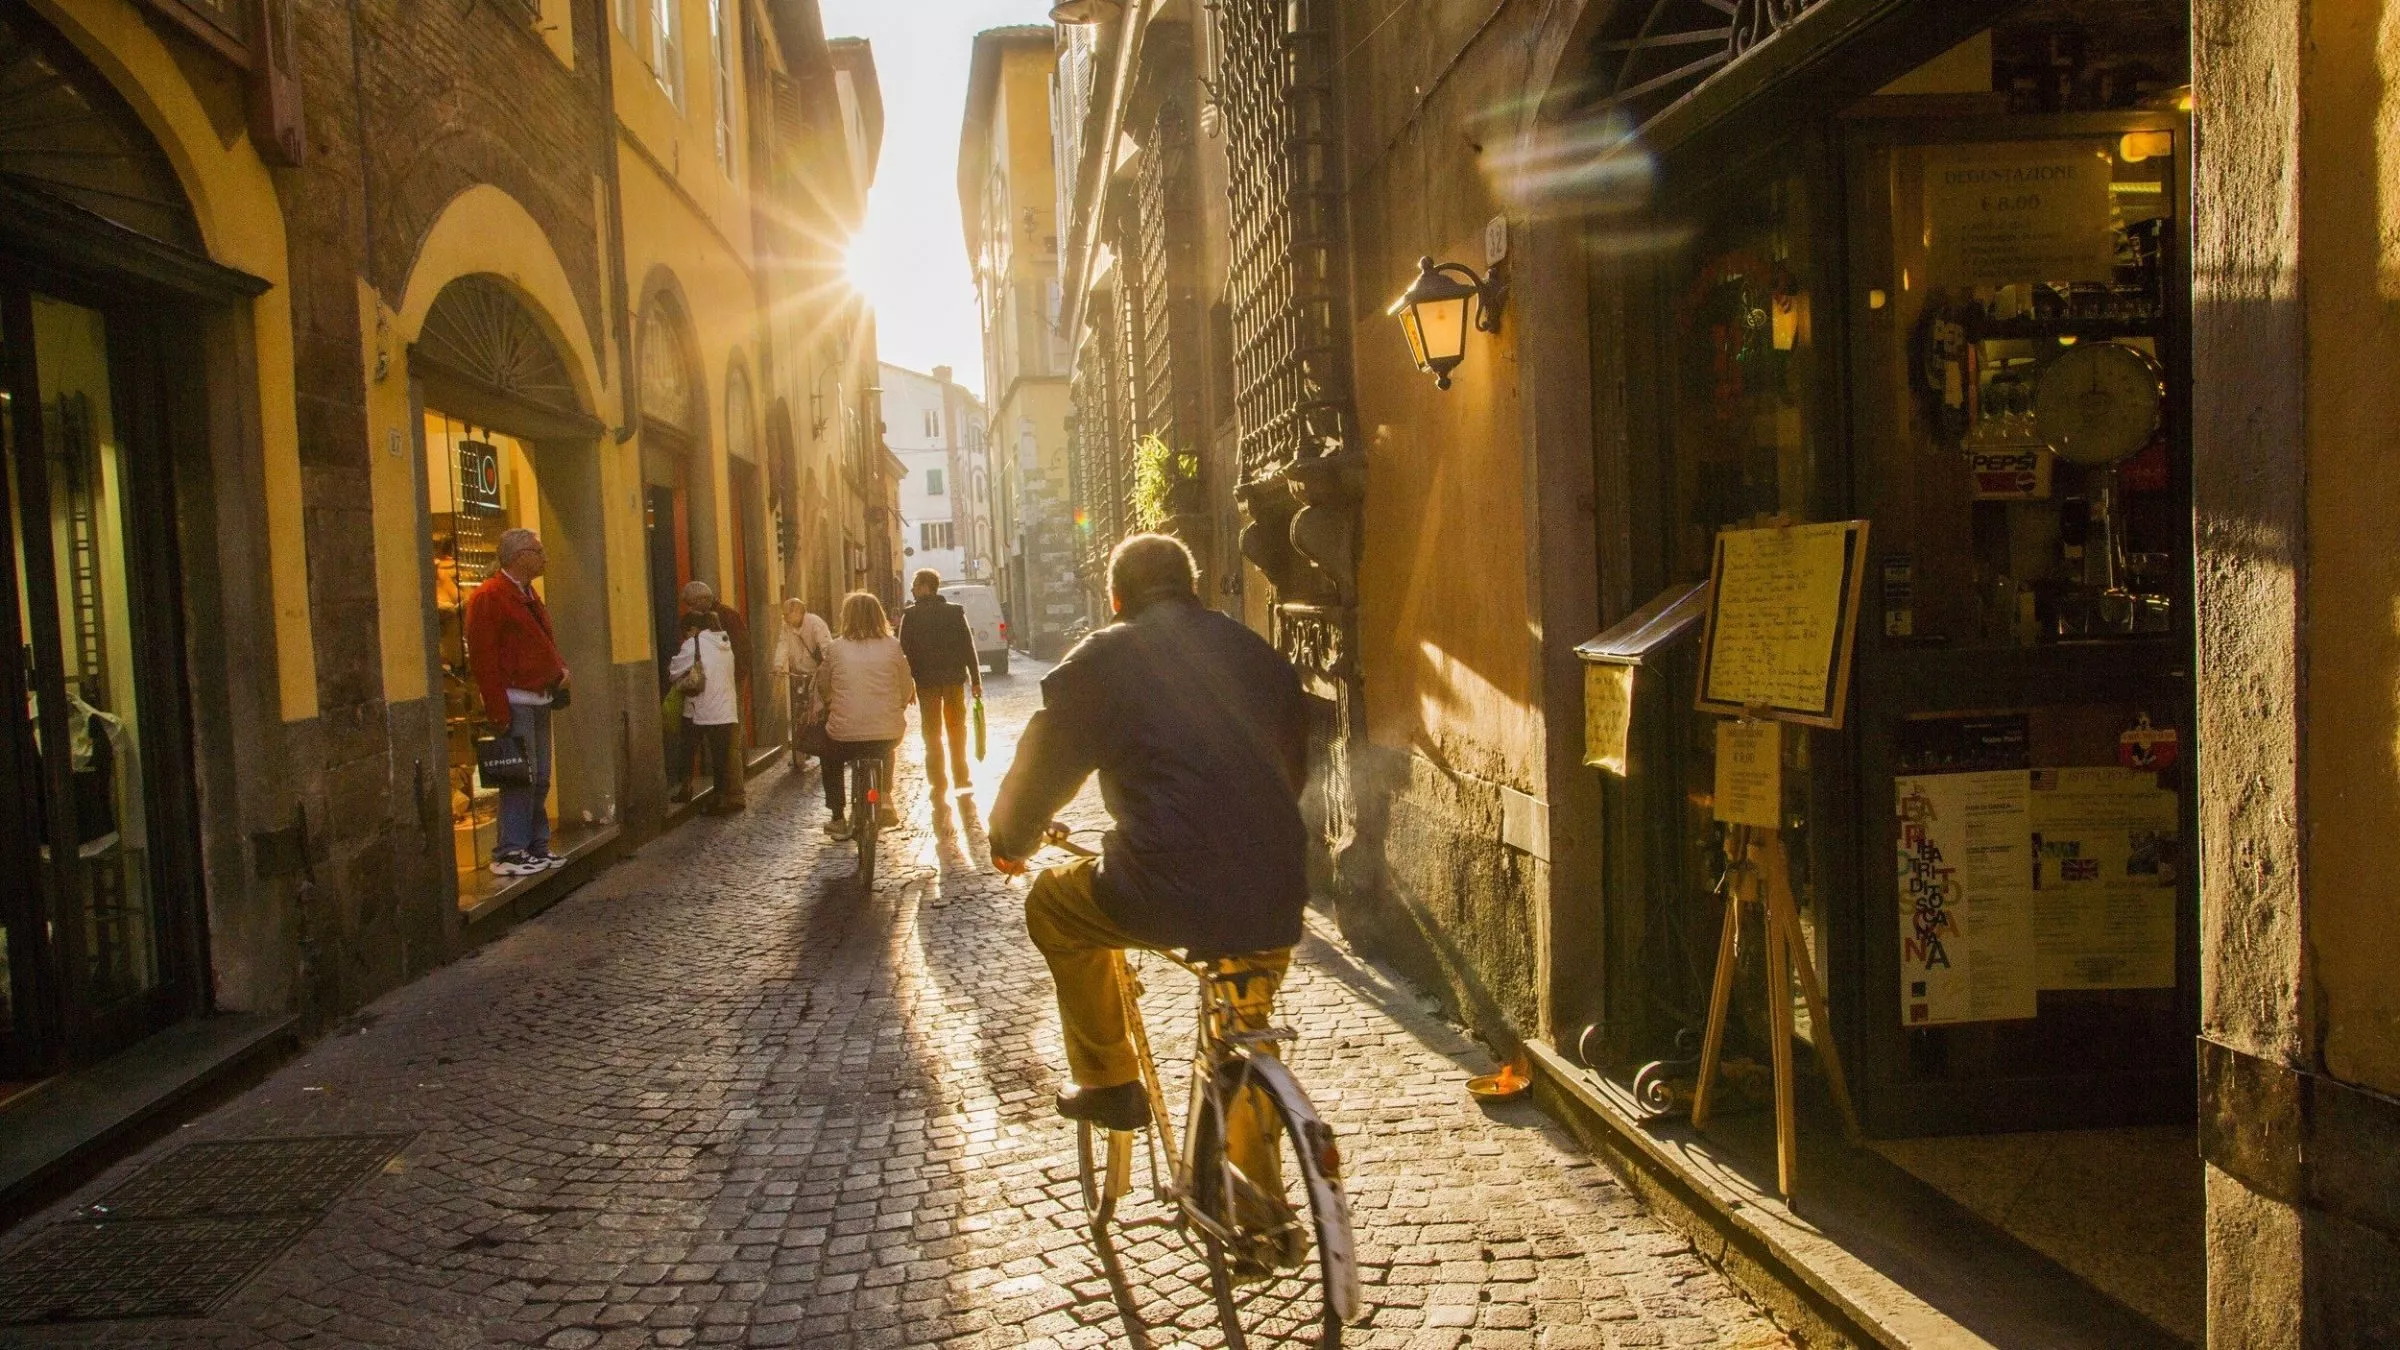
1199,733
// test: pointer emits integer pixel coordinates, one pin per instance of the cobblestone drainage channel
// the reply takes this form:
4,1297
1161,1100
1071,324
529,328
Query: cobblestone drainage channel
184,1233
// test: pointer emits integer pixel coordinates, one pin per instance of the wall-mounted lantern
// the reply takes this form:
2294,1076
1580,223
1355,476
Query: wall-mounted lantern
1437,309
1086,11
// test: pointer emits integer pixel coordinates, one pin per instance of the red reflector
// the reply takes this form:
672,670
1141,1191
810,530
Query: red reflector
873,795
1004,626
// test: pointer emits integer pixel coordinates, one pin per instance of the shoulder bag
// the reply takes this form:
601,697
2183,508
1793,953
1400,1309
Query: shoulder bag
500,761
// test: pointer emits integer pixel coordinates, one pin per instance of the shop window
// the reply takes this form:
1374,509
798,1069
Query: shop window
478,483
1743,406
720,44
666,46
91,641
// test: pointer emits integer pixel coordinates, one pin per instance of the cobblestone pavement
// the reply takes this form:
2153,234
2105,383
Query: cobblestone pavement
721,1097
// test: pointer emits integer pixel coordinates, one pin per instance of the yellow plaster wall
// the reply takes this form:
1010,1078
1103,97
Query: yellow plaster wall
2350,213
241,222
392,477
684,140
1447,644
483,229
660,232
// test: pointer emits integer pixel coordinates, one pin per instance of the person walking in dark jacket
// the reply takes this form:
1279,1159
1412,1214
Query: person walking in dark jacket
941,659
1198,731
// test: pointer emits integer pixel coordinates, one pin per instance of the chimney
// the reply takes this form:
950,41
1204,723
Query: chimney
942,373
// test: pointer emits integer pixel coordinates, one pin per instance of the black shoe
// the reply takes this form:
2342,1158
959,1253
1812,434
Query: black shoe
1123,1107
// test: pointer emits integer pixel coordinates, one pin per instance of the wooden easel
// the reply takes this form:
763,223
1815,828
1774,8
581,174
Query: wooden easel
1768,883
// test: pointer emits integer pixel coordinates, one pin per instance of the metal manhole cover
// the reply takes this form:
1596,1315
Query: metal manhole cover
83,1272
222,1178
186,1231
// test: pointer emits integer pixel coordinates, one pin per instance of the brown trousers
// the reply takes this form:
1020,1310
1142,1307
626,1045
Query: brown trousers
942,714
1079,940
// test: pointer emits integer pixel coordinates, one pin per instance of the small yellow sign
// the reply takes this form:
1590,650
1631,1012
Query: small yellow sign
1750,773
1607,714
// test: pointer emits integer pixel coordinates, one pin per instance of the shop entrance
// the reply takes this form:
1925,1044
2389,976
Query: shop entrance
1951,301
97,919
506,445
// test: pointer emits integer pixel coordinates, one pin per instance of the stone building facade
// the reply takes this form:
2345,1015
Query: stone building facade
439,270
1710,244
1007,196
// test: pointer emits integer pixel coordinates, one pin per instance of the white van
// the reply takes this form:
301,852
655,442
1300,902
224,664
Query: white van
984,621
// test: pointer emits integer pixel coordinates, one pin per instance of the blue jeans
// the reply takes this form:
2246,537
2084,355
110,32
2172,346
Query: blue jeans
524,811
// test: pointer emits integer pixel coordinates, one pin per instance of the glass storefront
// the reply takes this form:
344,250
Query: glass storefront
478,483
1956,310
83,609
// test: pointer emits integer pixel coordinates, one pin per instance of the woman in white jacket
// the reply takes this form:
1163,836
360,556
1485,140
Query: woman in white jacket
863,678
714,714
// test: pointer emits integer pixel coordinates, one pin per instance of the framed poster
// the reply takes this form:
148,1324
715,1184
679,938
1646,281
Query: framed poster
1782,622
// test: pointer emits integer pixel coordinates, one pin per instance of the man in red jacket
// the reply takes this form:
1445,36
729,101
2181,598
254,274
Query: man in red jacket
517,669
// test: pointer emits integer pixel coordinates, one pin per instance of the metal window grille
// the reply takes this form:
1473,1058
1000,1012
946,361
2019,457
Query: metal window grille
1650,56
1167,379
1291,362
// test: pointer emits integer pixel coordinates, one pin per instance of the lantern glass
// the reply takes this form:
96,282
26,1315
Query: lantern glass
1444,324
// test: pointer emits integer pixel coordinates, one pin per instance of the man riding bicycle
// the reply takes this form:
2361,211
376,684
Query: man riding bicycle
1197,730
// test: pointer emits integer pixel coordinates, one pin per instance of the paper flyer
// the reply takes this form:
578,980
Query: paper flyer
1966,897
2105,851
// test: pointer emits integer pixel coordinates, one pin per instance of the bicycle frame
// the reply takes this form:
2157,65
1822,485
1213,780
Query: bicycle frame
1219,1044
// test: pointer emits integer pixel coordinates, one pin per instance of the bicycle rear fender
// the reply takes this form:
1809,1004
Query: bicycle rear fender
1321,1157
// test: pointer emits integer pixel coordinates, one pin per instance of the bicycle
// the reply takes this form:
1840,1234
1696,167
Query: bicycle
866,803
1282,1267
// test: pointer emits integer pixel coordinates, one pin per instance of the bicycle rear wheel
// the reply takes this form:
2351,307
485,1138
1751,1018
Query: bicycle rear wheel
866,796
1287,1247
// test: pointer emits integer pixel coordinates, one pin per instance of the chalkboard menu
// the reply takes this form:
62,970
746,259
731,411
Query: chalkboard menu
1782,621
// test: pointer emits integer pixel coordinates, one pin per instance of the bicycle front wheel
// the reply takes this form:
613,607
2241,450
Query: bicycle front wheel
1273,1222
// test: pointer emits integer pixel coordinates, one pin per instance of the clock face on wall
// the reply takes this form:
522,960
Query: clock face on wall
2095,404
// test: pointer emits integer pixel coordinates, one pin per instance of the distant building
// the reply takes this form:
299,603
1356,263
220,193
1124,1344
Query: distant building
935,429
1008,200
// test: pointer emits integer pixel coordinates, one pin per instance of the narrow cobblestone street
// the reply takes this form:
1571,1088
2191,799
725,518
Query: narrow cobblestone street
720,1097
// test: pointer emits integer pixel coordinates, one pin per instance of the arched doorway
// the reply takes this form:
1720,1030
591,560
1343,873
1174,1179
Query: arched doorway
104,289
676,502
506,445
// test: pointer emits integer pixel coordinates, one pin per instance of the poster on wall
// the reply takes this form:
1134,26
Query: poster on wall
2105,847
1966,897
2020,211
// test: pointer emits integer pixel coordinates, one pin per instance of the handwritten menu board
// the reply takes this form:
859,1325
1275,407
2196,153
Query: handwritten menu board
1782,620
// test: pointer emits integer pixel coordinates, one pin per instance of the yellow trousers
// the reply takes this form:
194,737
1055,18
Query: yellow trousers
1079,940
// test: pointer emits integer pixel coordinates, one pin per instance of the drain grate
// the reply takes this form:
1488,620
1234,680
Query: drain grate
187,1231
83,1272
249,1176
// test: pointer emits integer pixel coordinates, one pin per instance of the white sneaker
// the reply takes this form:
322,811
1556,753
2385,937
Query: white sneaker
837,828
516,865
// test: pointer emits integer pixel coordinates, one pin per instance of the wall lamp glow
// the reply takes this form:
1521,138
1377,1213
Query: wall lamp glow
1437,309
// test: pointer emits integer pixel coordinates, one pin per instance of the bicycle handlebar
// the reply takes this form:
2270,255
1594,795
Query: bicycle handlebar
1058,836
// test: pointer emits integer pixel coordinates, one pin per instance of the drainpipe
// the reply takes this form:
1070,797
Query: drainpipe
621,311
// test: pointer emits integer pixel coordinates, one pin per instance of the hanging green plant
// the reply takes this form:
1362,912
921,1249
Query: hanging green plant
1159,478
